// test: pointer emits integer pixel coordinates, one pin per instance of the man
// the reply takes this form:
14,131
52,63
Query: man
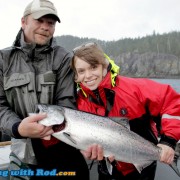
35,70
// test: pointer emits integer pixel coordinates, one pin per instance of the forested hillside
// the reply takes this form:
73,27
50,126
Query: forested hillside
151,56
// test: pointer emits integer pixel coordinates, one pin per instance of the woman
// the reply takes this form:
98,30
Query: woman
147,104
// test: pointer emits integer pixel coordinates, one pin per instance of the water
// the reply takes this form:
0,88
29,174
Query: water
175,83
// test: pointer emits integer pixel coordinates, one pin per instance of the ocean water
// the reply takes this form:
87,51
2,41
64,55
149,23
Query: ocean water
175,83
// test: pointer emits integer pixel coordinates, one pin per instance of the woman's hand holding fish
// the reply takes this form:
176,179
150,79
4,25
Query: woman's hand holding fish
94,152
167,154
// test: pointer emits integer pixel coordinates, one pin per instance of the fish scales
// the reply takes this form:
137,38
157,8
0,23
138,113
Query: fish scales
85,129
80,130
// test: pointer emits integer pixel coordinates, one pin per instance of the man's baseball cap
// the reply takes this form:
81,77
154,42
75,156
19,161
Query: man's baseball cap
39,8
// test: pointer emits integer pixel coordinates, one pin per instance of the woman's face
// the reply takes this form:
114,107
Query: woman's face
89,75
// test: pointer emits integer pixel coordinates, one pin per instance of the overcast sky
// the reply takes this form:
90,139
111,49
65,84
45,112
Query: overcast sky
100,19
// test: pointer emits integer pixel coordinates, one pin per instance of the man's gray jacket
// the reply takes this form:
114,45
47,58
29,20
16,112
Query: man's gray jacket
30,75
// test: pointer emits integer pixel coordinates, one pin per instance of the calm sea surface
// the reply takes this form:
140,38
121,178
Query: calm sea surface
175,83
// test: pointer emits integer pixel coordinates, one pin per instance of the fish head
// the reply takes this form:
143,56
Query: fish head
55,116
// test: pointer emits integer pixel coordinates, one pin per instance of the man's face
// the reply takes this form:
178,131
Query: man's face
38,31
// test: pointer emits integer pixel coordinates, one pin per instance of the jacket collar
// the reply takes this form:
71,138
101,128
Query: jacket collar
21,44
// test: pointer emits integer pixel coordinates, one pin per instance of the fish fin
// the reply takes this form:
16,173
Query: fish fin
109,166
69,137
174,165
140,167
121,120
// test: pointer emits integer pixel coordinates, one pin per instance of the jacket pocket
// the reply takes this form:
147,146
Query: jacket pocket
20,93
45,87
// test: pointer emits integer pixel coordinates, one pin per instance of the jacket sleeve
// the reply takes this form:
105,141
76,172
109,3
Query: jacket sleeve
162,100
170,117
8,119
65,85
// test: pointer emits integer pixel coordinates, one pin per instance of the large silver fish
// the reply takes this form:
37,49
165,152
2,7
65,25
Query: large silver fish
80,130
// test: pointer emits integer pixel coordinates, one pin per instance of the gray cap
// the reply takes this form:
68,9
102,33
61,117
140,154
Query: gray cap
39,8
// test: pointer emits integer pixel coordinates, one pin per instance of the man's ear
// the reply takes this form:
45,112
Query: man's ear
23,22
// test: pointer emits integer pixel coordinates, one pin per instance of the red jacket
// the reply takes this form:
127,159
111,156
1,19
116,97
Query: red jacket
145,102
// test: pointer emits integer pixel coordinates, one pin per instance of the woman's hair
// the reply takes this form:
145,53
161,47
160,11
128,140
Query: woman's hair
91,53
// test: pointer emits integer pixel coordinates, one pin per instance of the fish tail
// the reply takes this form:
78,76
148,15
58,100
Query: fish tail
174,165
